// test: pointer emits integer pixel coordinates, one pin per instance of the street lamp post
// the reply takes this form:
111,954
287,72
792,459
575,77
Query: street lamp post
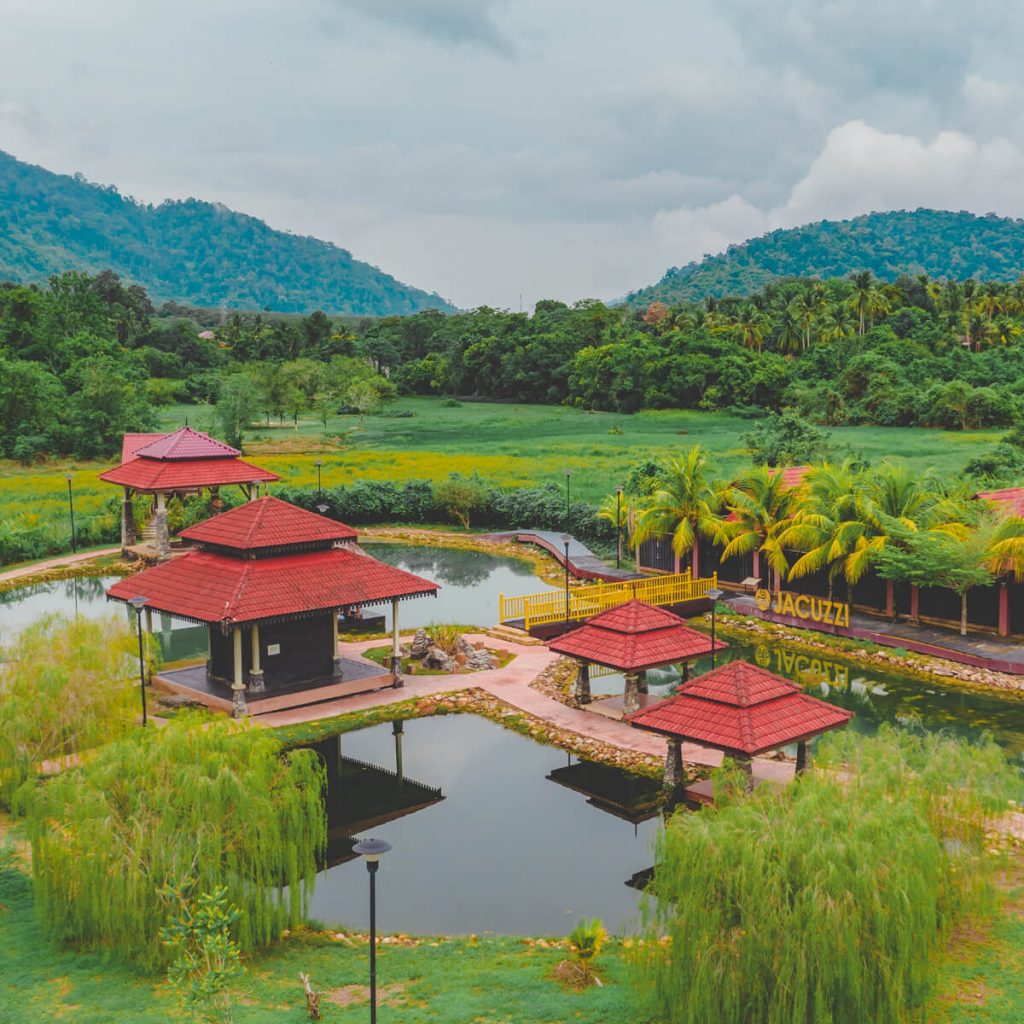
618,526
565,543
138,603
318,464
568,524
371,850
71,509
714,595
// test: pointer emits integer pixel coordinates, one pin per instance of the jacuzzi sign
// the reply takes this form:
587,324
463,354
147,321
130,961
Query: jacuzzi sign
800,606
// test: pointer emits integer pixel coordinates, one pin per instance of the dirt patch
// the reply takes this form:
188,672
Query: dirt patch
571,974
349,995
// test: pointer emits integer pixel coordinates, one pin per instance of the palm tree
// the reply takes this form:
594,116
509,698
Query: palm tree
836,324
750,325
761,506
789,337
1005,330
617,510
860,300
807,309
684,505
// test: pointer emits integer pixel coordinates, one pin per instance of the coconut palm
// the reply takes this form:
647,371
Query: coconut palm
807,308
683,505
789,337
750,325
761,505
837,324
617,510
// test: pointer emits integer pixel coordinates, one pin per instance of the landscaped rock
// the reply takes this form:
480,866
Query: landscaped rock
436,659
420,644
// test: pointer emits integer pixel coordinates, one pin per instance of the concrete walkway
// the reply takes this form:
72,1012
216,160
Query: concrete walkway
511,684
583,563
57,563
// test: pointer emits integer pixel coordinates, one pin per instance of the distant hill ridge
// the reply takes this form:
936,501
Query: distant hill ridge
185,251
939,243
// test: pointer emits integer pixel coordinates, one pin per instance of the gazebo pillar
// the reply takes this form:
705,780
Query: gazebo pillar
149,620
801,757
337,662
1004,609
674,776
256,684
396,655
631,698
163,537
398,730
747,765
128,537
642,682
583,683
239,709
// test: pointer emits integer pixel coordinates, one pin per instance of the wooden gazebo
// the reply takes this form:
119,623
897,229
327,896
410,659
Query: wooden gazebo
168,465
269,580
742,710
631,638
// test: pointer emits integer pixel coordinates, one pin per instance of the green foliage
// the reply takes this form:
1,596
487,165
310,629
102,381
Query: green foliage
237,407
50,223
830,900
461,496
787,439
69,684
204,957
219,803
586,941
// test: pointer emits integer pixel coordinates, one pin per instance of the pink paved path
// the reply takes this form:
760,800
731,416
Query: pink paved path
56,563
512,685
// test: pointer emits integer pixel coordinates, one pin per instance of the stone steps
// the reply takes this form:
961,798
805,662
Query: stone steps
512,635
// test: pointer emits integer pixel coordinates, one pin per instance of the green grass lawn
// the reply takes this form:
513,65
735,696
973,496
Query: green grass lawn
506,444
438,981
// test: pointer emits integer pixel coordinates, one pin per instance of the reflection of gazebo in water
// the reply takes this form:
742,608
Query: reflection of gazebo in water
269,580
362,796
174,465
630,638
633,798
742,710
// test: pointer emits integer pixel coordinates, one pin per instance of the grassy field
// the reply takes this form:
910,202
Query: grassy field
506,444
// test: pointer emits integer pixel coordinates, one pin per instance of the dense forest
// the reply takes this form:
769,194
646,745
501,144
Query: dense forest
189,251
87,358
938,243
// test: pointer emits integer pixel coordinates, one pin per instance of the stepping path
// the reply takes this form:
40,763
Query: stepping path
56,563
511,684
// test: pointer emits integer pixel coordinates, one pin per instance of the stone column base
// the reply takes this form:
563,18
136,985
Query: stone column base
339,667
583,685
256,684
674,766
631,698
239,708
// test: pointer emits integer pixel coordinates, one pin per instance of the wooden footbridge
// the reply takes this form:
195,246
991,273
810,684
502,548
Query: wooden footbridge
550,612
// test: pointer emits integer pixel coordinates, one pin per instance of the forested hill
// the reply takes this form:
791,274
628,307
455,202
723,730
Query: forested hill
938,243
189,251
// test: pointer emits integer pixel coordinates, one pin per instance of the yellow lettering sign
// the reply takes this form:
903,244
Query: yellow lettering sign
801,606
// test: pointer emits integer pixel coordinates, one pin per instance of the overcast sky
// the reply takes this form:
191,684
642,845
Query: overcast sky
488,149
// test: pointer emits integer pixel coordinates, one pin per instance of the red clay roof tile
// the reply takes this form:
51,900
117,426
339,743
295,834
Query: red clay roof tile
186,443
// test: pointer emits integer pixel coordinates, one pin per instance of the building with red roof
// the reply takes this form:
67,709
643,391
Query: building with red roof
184,462
631,638
269,579
742,710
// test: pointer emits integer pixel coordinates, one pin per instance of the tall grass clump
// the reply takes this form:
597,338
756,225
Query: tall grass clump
214,804
831,900
67,685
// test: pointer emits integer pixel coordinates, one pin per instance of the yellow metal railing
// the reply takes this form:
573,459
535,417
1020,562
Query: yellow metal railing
535,609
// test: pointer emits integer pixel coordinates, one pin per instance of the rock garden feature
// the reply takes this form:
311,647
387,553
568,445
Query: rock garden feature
443,649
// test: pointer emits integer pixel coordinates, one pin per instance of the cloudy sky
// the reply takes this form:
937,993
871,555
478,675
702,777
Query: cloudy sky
492,149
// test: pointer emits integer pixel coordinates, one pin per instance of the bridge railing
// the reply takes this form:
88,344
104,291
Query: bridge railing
583,602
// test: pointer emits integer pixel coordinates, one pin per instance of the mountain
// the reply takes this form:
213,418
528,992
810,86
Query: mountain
189,251
938,243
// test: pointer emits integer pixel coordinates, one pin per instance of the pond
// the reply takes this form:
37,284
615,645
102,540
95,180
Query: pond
502,848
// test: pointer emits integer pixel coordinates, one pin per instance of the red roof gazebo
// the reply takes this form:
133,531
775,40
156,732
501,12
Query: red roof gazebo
742,710
281,575
631,638
184,462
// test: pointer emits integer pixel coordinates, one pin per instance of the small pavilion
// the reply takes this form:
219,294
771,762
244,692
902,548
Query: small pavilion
631,638
742,710
174,465
269,580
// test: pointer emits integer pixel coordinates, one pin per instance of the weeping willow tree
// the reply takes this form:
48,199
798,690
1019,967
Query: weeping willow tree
829,901
217,804
69,684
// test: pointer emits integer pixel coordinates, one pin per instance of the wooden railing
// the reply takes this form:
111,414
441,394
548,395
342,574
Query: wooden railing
535,609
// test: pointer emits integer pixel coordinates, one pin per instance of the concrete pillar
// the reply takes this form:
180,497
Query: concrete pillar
642,682
583,683
163,537
685,672
674,777
338,665
239,709
748,766
397,729
128,537
256,684
695,561
631,698
915,603
1004,610
801,757
396,657
757,565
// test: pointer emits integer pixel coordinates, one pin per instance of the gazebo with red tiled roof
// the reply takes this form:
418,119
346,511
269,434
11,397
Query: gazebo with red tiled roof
631,638
281,575
742,710
186,461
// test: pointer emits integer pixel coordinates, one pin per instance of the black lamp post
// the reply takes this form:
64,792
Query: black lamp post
71,509
318,464
565,543
618,526
371,850
138,603
714,595
568,473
